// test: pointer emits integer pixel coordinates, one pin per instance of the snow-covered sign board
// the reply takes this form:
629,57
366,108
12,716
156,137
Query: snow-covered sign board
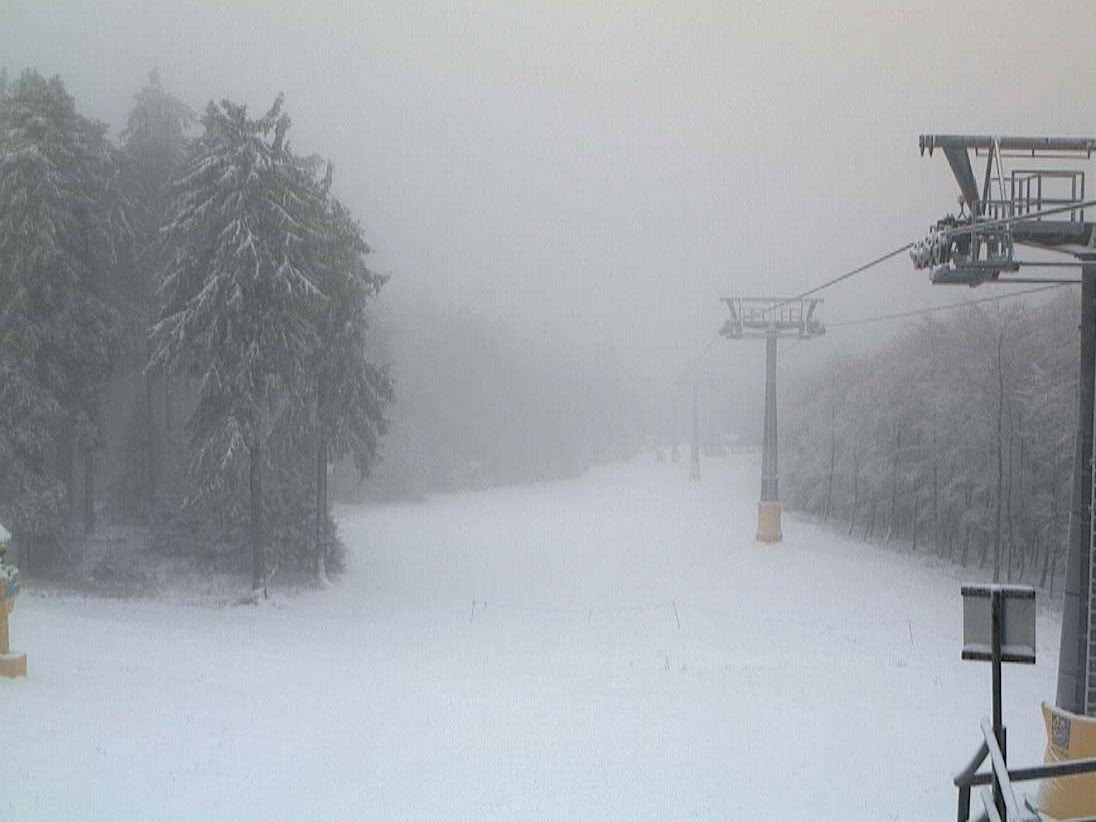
1017,621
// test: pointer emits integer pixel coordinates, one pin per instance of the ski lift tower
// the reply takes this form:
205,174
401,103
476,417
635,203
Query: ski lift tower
1039,203
771,318
696,384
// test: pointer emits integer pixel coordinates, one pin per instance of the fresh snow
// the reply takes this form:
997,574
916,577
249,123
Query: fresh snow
516,654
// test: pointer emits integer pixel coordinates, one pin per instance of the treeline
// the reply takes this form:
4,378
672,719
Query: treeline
183,314
481,404
958,437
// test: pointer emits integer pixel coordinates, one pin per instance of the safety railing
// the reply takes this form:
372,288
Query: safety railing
997,794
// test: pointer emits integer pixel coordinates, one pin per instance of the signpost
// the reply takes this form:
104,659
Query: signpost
999,626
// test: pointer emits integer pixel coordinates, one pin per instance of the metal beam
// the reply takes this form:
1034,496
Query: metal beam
959,161
1075,145
1054,233
762,316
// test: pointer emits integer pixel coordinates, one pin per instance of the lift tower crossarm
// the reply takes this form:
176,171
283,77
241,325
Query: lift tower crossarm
1032,145
763,316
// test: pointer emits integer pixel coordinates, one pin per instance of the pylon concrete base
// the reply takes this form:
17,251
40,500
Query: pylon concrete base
1069,736
12,665
768,522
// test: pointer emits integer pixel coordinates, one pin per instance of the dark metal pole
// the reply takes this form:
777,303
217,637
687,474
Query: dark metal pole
770,470
1073,652
997,618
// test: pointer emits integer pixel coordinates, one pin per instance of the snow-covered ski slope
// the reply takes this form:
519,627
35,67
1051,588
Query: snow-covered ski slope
632,654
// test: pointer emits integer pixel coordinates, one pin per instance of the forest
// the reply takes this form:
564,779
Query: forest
192,348
183,320
957,437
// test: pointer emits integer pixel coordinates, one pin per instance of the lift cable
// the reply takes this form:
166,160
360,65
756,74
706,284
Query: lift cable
846,275
922,311
1005,221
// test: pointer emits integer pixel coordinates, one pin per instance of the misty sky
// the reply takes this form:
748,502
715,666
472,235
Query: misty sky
604,172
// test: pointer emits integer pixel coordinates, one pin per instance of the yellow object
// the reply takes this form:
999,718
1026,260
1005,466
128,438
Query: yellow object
13,665
10,664
1069,736
768,522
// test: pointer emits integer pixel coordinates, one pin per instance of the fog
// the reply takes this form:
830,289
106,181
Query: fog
526,612
594,177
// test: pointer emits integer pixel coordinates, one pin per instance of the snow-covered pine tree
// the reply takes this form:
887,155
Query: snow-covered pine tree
237,291
350,392
61,225
154,148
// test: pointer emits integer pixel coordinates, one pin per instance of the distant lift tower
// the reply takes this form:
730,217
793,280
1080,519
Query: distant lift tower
770,318
694,455
1039,204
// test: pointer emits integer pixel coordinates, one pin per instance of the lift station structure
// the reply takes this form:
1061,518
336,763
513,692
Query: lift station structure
1039,204
771,318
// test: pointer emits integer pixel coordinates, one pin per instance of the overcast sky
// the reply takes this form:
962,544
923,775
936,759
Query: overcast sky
604,172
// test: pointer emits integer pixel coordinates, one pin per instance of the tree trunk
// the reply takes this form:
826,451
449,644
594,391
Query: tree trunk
916,516
151,449
89,491
893,529
321,507
68,474
935,494
258,548
167,404
855,490
833,461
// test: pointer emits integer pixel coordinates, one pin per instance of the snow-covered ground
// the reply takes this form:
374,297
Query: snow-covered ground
613,647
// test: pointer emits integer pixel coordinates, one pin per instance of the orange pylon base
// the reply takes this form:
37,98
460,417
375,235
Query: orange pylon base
768,522
12,665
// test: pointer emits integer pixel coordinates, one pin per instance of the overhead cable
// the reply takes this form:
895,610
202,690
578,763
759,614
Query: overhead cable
906,314
847,275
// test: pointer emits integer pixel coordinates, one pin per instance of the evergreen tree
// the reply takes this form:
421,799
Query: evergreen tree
62,223
350,392
155,141
237,291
